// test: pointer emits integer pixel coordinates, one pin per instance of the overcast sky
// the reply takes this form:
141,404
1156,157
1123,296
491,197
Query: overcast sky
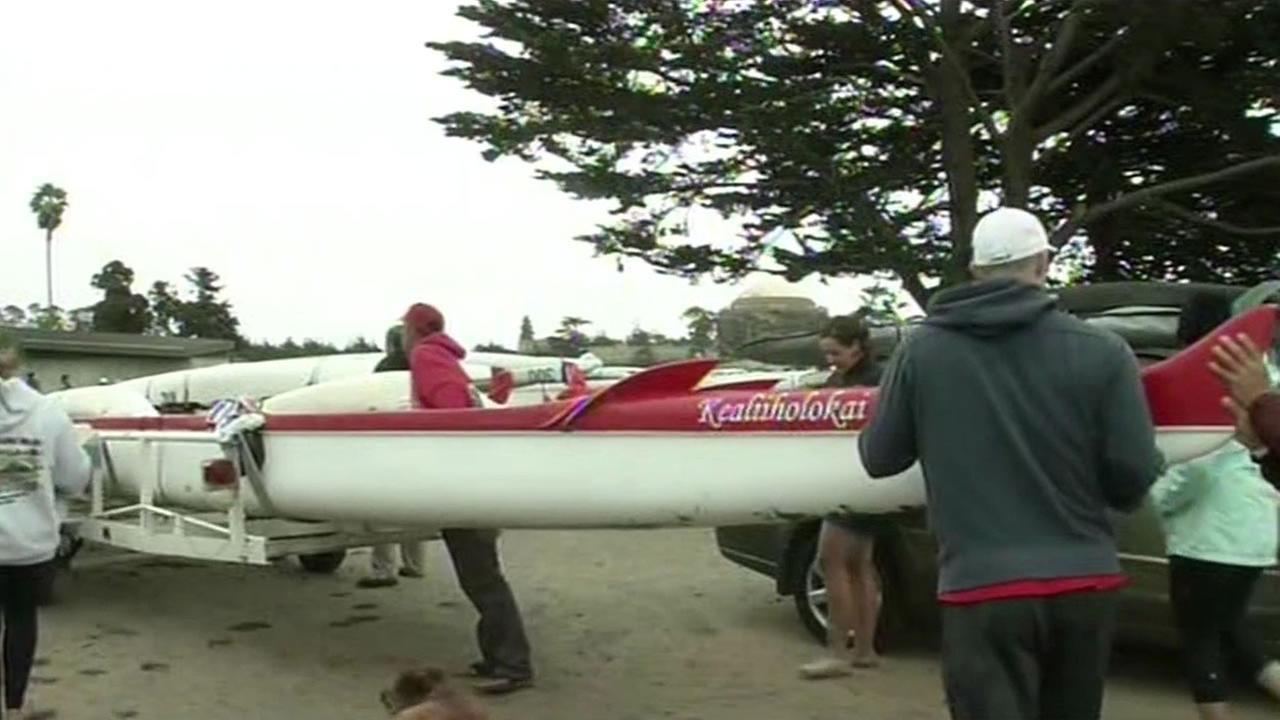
289,146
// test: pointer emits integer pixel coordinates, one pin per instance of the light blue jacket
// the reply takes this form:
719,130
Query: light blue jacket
1217,508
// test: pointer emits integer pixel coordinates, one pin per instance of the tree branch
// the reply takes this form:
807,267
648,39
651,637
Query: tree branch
913,8
1085,64
1013,87
1083,109
915,287
1096,117
1084,216
1198,219
1052,61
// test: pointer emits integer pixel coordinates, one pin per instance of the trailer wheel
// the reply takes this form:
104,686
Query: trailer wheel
323,563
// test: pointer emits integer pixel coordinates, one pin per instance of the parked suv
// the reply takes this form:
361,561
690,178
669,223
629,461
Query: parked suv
1146,315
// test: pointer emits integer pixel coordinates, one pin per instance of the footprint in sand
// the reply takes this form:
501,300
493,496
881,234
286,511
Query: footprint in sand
155,667
354,620
250,626
124,714
37,680
365,606
219,642
93,672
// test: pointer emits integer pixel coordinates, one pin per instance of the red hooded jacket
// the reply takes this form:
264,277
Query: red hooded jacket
439,380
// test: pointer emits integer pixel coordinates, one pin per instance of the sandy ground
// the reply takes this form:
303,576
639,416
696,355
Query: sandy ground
625,626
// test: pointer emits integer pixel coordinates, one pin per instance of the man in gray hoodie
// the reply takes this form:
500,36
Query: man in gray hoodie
40,457
1029,425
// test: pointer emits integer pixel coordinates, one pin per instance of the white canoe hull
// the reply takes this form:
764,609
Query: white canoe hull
269,378
547,480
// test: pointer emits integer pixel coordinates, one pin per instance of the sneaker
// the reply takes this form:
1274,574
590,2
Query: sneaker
413,574
503,685
826,668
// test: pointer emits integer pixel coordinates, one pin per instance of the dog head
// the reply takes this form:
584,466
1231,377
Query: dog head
412,687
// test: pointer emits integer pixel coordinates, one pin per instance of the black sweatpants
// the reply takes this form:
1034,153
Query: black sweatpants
504,648
22,589
1032,659
1210,603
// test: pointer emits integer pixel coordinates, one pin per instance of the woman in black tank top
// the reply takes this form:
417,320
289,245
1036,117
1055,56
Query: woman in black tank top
846,546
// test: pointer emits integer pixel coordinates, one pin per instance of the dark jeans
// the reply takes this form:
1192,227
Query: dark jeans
504,649
22,589
1032,659
1210,603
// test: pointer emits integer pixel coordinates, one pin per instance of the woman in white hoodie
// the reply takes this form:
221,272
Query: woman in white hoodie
40,456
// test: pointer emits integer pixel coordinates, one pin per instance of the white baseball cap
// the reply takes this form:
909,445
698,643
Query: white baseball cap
1007,235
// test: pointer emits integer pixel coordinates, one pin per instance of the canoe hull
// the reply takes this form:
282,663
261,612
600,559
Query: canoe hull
550,480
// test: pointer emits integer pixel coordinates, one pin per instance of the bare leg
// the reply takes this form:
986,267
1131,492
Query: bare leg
382,568
865,591
412,559
833,554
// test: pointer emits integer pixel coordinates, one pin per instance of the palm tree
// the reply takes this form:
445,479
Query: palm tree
48,204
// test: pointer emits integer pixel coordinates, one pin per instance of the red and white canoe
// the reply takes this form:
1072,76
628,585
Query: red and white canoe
653,450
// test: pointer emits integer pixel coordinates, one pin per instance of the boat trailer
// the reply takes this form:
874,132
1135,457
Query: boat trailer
147,524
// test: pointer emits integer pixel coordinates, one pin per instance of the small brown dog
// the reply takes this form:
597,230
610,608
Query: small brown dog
426,695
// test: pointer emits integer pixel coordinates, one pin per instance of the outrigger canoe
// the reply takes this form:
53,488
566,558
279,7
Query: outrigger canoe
653,450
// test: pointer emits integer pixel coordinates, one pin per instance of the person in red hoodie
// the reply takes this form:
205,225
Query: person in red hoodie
439,382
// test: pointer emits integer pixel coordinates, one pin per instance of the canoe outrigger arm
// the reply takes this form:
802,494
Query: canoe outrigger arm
247,531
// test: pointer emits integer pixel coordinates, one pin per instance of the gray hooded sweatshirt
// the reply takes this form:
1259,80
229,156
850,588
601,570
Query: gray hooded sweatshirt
39,455
1028,424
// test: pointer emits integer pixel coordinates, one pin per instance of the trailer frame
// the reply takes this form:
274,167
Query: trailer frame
149,526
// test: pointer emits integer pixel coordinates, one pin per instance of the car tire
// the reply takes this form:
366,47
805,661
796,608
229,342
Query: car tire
810,590
323,563
810,594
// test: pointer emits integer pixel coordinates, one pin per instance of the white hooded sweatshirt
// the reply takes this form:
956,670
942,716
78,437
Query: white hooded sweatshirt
39,454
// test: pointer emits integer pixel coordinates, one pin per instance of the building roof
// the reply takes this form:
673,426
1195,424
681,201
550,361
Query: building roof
96,343
765,285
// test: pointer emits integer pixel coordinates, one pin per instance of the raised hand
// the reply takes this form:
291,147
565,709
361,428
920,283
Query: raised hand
1242,367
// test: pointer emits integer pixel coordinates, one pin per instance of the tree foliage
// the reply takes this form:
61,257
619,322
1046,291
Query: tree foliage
48,317
570,338
165,308
875,131
206,314
493,347
120,309
640,337
702,329
290,348
49,203
13,315
882,305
